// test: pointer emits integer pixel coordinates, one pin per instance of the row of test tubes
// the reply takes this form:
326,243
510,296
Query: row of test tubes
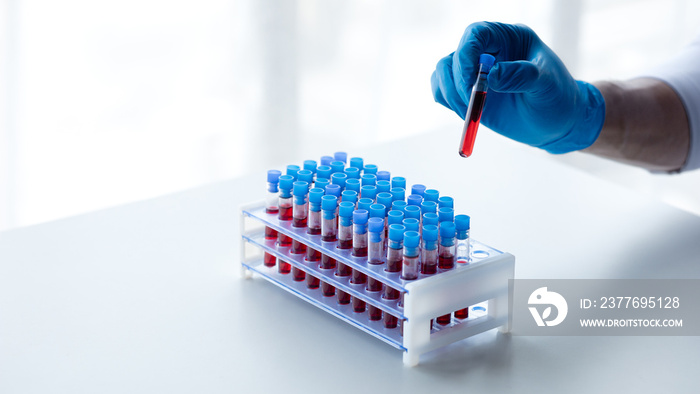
367,211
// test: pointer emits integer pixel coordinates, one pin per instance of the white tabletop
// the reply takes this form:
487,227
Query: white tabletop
145,297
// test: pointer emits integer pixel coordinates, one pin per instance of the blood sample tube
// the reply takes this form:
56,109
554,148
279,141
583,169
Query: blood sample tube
353,185
345,235
397,193
383,186
292,170
446,257
364,203
446,214
394,257
285,214
352,172
326,160
462,235
357,162
376,255
314,222
337,167
411,242
368,191
414,199
390,321
476,105
300,213
329,228
370,169
398,181
383,175
341,156
446,201
411,224
271,208
310,165
418,189
368,179
349,196
429,250
359,233
324,172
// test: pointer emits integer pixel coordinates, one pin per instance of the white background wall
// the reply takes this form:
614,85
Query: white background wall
113,101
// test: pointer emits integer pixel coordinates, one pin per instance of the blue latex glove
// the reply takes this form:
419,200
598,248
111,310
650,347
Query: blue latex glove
532,98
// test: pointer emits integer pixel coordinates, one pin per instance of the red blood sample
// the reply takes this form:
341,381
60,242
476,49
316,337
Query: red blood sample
285,213
343,297
343,270
327,262
358,305
298,222
374,313
327,289
428,269
390,293
271,210
360,252
312,282
390,321
394,264
312,254
313,230
446,262
284,240
328,238
270,233
269,260
374,284
358,277
345,243
284,267
462,313
298,247
298,275
476,105
444,319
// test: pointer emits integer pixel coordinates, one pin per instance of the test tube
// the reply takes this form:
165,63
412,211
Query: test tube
300,213
476,105
411,242
446,257
370,169
329,228
376,256
359,249
353,185
285,214
314,222
429,250
394,257
462,235
271,208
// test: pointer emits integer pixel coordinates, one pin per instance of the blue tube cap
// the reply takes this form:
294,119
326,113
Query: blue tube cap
398,205
383,186
462,222
395,217
446,214
415,199
411,239
360,216
369,179
385,199
412,211
305,175
345,209
430,232
315,195
398,193
292,170
396,232
324,172
322,182
487,61
357,162
286,182
383,175
329,202
364,203
428,206
337,166
352,184
446,201
411,224
341,156
430,218
447,230
310,165
368,191
349,195
273,176
431,195
300,188
333,190
398,181
418,189
326,160
352,172
377,211
370,169
339,178
375,225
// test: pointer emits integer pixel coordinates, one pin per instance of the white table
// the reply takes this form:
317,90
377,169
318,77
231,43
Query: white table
145,297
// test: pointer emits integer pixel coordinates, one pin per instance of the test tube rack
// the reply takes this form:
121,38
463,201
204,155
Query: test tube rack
483,284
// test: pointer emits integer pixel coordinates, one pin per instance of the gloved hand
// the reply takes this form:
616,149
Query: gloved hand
532,98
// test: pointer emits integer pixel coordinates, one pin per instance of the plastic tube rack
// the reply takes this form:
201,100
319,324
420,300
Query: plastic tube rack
482,284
